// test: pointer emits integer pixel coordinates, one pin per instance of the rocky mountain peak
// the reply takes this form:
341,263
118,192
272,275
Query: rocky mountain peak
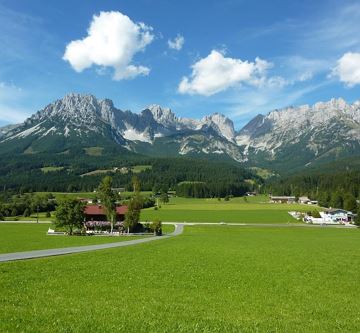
223,125
163,116
323,129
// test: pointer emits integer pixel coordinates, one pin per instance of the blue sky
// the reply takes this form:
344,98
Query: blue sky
239,58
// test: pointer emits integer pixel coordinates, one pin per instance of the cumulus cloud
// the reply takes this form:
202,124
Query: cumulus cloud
216,73
348,69
113,40
177,43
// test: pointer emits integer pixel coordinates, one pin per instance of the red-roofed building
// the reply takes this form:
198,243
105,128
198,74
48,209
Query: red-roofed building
97,213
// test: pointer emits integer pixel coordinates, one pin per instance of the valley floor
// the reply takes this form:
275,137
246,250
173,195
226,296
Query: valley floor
236,210
209,279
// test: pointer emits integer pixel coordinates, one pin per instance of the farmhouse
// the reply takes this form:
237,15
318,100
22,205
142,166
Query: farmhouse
97,213
304,200
86,200
282,199
337,215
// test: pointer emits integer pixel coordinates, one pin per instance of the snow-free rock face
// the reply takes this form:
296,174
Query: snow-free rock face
6,129
221,124
295,136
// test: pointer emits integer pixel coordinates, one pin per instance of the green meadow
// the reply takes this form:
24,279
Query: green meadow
209,279
33,217
88,195
236,210
51,169
17,237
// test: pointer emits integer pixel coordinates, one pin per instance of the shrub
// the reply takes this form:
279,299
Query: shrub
316,214
156,227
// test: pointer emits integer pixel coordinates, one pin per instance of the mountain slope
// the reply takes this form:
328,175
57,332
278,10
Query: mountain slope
83,120
283,140
296,137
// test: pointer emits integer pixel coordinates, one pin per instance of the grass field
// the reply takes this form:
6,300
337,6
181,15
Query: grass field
32,217
210,279
90,195
140,168
51,169
237,210
16,237
94,151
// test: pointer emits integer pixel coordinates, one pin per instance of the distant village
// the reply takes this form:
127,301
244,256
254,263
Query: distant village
328,216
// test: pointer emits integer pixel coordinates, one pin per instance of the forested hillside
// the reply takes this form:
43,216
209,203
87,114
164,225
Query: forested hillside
82,172
333,185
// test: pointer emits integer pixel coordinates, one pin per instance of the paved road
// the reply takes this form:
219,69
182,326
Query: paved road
27,222
68,250
284,225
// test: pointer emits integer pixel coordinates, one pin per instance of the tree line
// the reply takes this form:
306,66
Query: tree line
340,189
220,179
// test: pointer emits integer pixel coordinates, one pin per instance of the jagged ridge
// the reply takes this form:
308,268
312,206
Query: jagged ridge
325,130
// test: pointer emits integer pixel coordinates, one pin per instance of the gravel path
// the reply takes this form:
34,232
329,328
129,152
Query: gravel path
68,250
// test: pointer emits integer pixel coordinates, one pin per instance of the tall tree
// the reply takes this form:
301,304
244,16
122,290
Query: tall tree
70,215
108,200
1,212
164,197
136,184
132,217
350,203
337,200
357,217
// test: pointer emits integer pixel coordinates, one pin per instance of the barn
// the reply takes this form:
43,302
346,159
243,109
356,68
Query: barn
97,213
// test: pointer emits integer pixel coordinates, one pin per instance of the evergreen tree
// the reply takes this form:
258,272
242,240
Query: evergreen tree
350,203
357,217
337,200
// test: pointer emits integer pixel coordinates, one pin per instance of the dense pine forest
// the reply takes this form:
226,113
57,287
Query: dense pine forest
79,171
334,185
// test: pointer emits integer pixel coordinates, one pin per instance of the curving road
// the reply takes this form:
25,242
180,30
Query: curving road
179,228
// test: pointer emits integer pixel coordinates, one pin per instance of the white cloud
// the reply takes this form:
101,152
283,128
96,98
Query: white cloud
348,69
113,40
216,73
177,43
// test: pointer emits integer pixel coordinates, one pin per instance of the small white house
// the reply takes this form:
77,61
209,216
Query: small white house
282,199
304,200
335,215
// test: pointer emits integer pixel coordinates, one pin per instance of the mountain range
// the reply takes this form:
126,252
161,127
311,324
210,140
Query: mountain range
293,137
